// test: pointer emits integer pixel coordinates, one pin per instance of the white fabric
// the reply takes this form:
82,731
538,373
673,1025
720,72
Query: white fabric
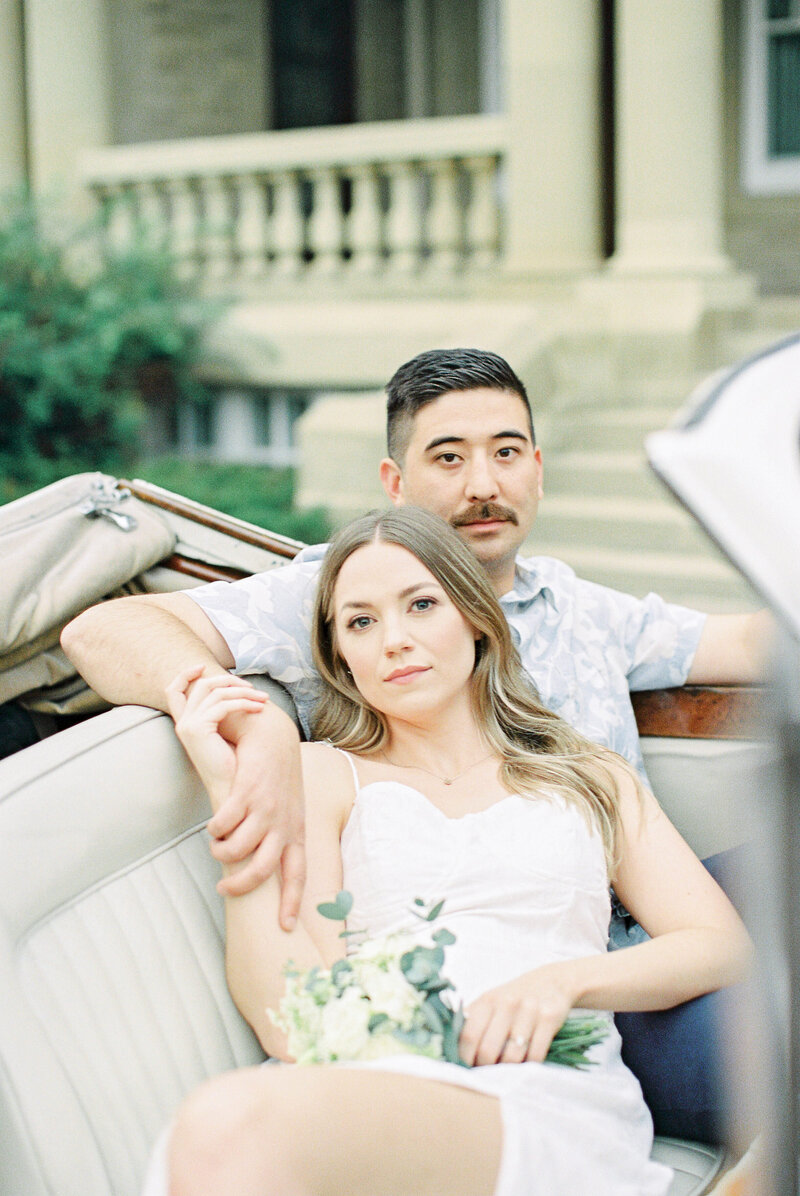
525,884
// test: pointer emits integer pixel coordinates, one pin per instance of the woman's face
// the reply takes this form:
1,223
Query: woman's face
408,646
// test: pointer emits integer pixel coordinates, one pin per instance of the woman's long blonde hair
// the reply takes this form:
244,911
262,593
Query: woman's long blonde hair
537,748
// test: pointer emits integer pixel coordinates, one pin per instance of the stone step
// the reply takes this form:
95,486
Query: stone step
613,429
748,342
653,393
707,584
603,473
632,524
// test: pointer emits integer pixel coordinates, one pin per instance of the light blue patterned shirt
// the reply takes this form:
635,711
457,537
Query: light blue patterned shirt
585,646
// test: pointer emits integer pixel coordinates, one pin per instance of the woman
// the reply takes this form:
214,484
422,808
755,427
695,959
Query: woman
449,780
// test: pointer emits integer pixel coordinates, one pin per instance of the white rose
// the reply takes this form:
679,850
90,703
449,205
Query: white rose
300,1017
390,993
382,1045
384,950
345,1032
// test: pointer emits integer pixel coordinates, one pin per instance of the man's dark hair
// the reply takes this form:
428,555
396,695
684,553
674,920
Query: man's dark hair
439,372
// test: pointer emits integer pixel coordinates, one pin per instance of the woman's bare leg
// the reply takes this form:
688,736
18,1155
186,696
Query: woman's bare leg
325,1131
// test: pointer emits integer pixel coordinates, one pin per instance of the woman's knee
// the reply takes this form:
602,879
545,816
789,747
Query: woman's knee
229,1127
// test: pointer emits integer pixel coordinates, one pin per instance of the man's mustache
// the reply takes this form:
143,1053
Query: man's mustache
479,512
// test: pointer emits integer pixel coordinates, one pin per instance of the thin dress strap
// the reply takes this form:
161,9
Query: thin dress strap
352,764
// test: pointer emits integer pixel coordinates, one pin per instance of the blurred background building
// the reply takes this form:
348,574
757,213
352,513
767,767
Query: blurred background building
607,192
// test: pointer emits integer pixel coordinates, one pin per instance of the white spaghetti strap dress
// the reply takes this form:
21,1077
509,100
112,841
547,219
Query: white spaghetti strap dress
524,883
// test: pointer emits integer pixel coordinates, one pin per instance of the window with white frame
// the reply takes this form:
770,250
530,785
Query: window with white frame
771,148
251,425
275,413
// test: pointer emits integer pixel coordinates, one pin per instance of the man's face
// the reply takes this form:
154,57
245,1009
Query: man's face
471,460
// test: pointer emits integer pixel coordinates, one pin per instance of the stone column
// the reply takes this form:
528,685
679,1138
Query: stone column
669,149
341,440
552,94
13,166
67,84
235,426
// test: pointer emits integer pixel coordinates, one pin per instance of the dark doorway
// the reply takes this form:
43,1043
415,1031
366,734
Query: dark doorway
312,60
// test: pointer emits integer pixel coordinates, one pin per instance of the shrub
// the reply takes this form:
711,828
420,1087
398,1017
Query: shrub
79,332
257,493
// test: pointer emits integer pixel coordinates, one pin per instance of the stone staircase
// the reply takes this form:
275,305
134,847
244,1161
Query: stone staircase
607,514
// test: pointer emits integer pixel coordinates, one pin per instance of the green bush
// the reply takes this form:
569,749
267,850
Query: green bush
257,493
79,335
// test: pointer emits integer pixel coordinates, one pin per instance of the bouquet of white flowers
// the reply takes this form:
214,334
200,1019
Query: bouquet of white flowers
389,997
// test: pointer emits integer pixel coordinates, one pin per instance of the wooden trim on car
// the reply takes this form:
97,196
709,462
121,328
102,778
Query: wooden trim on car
702,711
247,533
202,571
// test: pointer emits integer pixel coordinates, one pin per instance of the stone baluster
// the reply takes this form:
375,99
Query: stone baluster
326,221
287,223
404,218
482,223
251,225
215,230
120,219
151,214
444,217
364,225
183,225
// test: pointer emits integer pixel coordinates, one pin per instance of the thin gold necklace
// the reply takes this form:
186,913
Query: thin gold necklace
439,777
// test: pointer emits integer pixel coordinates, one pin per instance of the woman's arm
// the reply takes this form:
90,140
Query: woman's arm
698,944
257,949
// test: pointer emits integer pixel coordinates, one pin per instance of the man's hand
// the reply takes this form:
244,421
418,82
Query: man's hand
263,817
247,753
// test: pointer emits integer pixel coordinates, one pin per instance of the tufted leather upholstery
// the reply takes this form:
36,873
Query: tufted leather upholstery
111,965
114,1003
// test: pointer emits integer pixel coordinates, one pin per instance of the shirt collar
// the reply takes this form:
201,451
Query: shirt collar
530,580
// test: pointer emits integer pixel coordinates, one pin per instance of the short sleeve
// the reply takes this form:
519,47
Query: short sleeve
266,622
659,640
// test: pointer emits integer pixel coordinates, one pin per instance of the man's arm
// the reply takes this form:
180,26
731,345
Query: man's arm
733,650
130,650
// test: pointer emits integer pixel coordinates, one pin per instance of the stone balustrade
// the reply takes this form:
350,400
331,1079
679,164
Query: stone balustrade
394,198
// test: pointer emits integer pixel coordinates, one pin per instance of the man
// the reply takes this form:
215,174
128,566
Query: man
461,443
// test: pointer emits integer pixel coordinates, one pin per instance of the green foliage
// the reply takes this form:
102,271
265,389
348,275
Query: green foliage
339,908
78,334
576,1037
257,493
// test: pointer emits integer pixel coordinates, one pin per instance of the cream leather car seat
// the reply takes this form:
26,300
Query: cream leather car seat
114,1003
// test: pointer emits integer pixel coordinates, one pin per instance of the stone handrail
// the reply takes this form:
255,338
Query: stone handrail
390,196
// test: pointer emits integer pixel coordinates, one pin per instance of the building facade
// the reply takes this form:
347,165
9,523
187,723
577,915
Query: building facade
606,191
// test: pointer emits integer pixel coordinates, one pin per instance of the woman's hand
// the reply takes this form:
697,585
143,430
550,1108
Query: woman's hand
198,706
517,1021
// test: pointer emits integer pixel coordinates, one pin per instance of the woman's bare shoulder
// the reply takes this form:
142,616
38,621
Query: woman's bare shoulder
327,774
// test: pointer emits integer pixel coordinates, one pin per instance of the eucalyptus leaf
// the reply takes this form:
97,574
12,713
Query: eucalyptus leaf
338,909
312,977
432,1017
341,969
451,1037
416,1038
